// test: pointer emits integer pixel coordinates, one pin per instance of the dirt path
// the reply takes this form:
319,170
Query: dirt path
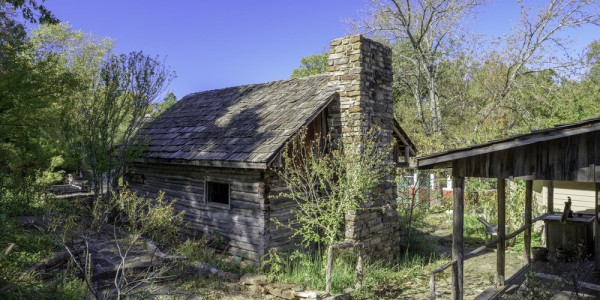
479,271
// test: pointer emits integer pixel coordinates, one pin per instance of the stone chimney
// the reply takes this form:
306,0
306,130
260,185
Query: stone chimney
362,70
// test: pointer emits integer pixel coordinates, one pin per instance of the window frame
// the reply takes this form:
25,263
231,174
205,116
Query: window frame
213,203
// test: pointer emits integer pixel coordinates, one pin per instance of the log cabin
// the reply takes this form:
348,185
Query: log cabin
214,152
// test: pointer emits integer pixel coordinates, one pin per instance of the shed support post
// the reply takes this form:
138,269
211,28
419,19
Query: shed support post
501,197
457,238
550,197
527,235
597,229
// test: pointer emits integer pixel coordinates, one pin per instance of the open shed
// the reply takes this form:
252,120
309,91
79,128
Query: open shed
567,152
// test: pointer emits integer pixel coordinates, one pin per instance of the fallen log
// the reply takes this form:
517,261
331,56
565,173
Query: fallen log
58,259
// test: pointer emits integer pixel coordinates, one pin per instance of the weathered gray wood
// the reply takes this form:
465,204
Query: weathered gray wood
570,158
458,238
597,229
501,250
560,280
182,186
241,224
550,196
473,254
207,163
329,269
528,207
549,135
436,271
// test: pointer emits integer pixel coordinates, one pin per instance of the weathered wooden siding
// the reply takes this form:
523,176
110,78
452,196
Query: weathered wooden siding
279,211
242,225
572,158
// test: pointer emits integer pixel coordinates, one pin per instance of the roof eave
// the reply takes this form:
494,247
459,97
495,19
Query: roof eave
444,159
404,137
276,154
207,163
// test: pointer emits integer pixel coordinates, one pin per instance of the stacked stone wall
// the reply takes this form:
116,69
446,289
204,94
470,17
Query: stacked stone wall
362,69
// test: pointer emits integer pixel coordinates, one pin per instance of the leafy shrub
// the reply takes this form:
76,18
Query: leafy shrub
153,218
21,196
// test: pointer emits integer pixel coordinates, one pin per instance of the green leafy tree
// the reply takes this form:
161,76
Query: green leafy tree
159,108
311,65
81,56
424,34
326,183
120,97
30,90
463,89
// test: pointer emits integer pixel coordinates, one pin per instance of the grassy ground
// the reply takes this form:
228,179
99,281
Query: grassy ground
24,246
407,277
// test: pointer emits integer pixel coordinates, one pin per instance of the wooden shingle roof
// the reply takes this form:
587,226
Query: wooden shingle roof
242,126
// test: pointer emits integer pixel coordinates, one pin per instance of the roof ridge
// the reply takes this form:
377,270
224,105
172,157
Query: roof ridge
250,85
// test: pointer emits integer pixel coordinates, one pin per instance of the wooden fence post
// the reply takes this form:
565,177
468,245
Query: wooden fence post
527,235
550,196
501,197
597,228
457,238
328,270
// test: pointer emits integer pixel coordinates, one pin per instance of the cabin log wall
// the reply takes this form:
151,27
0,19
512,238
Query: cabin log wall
242,225
279,215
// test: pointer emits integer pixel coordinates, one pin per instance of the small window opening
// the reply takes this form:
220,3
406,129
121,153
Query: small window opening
217,192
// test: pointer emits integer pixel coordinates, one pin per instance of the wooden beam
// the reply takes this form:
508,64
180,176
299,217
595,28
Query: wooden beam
501,255
458,238
597,229
509,143
561,280
527,235
550,196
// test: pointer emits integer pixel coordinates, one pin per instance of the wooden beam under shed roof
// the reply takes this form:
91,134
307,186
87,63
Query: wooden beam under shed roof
567,152
444,159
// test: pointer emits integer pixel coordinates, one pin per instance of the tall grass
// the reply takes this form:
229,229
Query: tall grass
308,270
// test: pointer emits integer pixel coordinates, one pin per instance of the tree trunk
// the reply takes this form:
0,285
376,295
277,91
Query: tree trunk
417,97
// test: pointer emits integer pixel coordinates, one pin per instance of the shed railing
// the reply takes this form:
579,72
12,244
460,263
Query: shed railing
476,252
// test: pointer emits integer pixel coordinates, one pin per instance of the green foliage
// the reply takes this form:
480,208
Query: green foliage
326,183
159,108
484,202
456,88
141,216
118,102
311,65
31,11
24,197
21,196
52,175
308,269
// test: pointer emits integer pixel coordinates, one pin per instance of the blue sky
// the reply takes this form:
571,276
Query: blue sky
222,43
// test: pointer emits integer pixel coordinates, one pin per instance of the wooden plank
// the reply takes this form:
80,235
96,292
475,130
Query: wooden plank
528,214
458,238
247,197
597,229
550,196
500,145
206,163
560,280
196,188
501,250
